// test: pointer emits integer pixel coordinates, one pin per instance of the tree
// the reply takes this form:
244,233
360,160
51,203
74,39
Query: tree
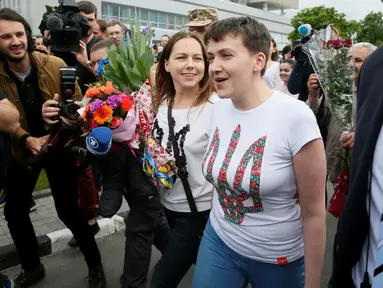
371,29
319,16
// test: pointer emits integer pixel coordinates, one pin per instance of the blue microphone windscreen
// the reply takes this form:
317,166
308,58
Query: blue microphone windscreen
99,141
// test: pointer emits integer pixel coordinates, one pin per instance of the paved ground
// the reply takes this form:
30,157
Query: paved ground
68,270
44,219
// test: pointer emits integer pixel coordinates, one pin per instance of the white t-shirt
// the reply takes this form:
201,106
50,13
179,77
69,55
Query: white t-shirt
191,128
271,76
255,210
375,215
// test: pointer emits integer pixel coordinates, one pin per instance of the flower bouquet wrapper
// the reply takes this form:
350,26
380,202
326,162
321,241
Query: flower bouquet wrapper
126,132
329,58
157,163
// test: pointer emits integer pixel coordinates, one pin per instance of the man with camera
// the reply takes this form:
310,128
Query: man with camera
31,80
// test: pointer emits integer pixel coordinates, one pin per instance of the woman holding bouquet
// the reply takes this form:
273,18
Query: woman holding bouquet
184,95
266,160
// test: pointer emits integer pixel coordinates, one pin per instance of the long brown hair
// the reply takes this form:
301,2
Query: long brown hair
165,89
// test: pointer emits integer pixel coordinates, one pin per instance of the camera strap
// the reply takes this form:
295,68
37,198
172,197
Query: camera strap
181,169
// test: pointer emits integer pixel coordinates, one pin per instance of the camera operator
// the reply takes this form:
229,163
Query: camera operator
29,79
9,124
297,83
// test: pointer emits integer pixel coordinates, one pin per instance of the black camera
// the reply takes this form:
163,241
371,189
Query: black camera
66,26
68,108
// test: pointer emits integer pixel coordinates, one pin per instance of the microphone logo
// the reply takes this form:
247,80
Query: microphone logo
93,142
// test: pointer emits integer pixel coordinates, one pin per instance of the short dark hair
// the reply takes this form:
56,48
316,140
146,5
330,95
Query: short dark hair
101,45
114,23
255,36
165,36
286,50
87,7
10,15
102,23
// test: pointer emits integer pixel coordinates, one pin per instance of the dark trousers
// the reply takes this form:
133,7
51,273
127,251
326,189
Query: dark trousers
20,182
181,251
145,224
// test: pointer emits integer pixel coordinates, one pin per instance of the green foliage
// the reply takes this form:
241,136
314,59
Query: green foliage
371,29
130,62
319,16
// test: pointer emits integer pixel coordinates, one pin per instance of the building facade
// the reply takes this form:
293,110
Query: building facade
165,16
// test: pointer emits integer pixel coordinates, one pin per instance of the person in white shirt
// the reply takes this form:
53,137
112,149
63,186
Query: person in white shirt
271,76
183,90
266,160
285,69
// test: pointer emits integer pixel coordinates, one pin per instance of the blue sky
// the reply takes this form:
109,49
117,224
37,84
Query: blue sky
354,9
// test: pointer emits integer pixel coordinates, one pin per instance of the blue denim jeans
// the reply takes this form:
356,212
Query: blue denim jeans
219,266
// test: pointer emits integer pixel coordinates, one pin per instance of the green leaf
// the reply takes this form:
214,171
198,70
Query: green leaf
122,48
140,67
133,77
148,60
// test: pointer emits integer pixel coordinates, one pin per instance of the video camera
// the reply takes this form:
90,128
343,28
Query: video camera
66,26
68,108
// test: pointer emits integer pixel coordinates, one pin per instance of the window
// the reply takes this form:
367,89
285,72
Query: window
171,21
104,8
179,20
144,17
162,19
124,12
133,11
153,17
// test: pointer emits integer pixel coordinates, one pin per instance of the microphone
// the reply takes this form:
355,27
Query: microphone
54,23
99,141
305,30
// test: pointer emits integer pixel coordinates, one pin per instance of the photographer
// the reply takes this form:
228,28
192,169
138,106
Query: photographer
297,83
29,79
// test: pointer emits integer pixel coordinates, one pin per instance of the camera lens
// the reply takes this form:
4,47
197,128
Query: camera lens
69,110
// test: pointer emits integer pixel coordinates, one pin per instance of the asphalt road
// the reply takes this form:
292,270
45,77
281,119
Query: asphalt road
68,270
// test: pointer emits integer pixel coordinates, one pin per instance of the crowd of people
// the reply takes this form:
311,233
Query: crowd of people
255,141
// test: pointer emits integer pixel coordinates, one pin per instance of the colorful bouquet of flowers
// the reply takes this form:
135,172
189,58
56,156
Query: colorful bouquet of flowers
109,107
329,60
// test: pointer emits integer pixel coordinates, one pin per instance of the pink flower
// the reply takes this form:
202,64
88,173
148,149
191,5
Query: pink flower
116,122
92,124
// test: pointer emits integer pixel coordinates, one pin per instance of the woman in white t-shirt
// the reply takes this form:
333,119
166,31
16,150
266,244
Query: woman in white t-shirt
267,162
271,76
185,90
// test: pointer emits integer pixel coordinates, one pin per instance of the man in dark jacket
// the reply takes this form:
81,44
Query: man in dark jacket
358,228
31,80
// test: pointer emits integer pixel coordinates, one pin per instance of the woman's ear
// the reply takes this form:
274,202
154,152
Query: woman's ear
259,62
166,65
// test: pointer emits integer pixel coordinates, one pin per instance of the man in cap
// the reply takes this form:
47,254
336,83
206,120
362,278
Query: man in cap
200,20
